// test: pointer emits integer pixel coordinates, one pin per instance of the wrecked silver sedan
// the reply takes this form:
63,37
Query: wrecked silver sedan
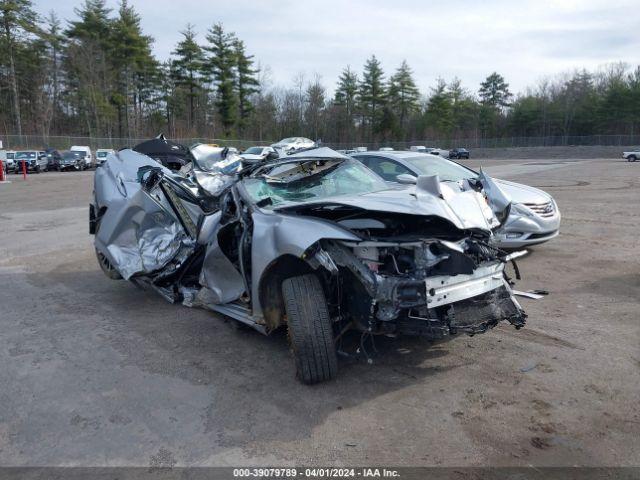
313,241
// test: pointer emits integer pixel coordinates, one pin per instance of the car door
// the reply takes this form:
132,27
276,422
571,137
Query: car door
386,168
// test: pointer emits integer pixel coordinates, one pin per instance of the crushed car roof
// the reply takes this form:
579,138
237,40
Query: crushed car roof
320,152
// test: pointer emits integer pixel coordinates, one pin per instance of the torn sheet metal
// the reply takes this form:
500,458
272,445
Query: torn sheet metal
533,294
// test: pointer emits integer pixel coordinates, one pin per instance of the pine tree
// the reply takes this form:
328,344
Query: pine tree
439,112
347,91
464,106
494,97
403,94
130,57
94,22
372,94
345,104
246,83
32,77
16,18
55,44
220,65
494,91
90,77
315,100
168,96
187,67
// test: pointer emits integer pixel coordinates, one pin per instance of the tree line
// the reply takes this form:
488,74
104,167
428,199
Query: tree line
96,75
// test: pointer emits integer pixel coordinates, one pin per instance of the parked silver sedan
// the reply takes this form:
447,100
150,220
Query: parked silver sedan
293,144
534,217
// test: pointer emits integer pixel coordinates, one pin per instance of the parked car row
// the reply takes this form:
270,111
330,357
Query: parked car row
457,153
78,157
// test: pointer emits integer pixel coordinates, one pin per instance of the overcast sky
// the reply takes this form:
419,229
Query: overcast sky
524,40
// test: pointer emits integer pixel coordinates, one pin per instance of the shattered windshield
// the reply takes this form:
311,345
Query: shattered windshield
312,180
447,171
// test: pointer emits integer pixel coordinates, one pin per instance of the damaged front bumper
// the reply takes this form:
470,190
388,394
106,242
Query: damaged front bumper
445,289
425,304
442,305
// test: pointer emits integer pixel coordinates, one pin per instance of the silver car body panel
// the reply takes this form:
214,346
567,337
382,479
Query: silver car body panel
140,234
275,235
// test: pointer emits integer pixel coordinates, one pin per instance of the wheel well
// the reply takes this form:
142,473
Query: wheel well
270,287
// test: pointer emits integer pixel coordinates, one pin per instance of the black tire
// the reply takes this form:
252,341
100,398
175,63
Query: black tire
106,267
632,158
310,329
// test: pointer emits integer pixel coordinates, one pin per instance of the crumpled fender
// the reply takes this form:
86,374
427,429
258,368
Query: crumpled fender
275,235
137,234
499,201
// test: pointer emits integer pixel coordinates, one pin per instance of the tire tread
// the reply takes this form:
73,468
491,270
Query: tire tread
310,329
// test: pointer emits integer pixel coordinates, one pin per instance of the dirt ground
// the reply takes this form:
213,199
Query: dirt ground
97,372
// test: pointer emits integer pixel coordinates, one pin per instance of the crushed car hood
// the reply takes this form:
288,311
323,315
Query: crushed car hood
466,209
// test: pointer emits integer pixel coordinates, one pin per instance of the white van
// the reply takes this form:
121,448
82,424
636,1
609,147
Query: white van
102,154
88,157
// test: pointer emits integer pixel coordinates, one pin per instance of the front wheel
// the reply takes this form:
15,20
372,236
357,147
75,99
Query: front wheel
632,158
106,267
310,329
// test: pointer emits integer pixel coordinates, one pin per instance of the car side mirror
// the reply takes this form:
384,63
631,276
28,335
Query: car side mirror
406,179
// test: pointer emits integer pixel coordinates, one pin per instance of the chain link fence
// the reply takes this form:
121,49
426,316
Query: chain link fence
503,142
38,142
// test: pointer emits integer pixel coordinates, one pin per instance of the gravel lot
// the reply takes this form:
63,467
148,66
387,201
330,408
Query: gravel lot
97,372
